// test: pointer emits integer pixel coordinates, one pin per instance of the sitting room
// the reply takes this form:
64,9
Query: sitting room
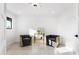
41,29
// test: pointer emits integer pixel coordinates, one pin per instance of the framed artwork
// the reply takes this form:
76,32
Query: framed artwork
8,23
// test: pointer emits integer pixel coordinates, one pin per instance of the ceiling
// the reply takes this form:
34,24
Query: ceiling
43,8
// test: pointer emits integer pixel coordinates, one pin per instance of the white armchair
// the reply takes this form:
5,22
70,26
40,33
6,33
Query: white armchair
64,50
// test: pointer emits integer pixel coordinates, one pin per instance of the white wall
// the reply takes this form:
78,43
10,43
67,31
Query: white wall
10,34
2,40
78,27
24,23
7,36
67,28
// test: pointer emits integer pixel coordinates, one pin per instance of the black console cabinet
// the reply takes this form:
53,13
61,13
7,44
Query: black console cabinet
25,40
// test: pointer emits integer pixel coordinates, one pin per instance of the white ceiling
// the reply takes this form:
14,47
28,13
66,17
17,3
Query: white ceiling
43,8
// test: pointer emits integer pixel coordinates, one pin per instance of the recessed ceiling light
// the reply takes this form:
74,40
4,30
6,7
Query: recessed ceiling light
35,4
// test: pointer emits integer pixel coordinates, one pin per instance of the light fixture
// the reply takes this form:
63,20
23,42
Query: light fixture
35,4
